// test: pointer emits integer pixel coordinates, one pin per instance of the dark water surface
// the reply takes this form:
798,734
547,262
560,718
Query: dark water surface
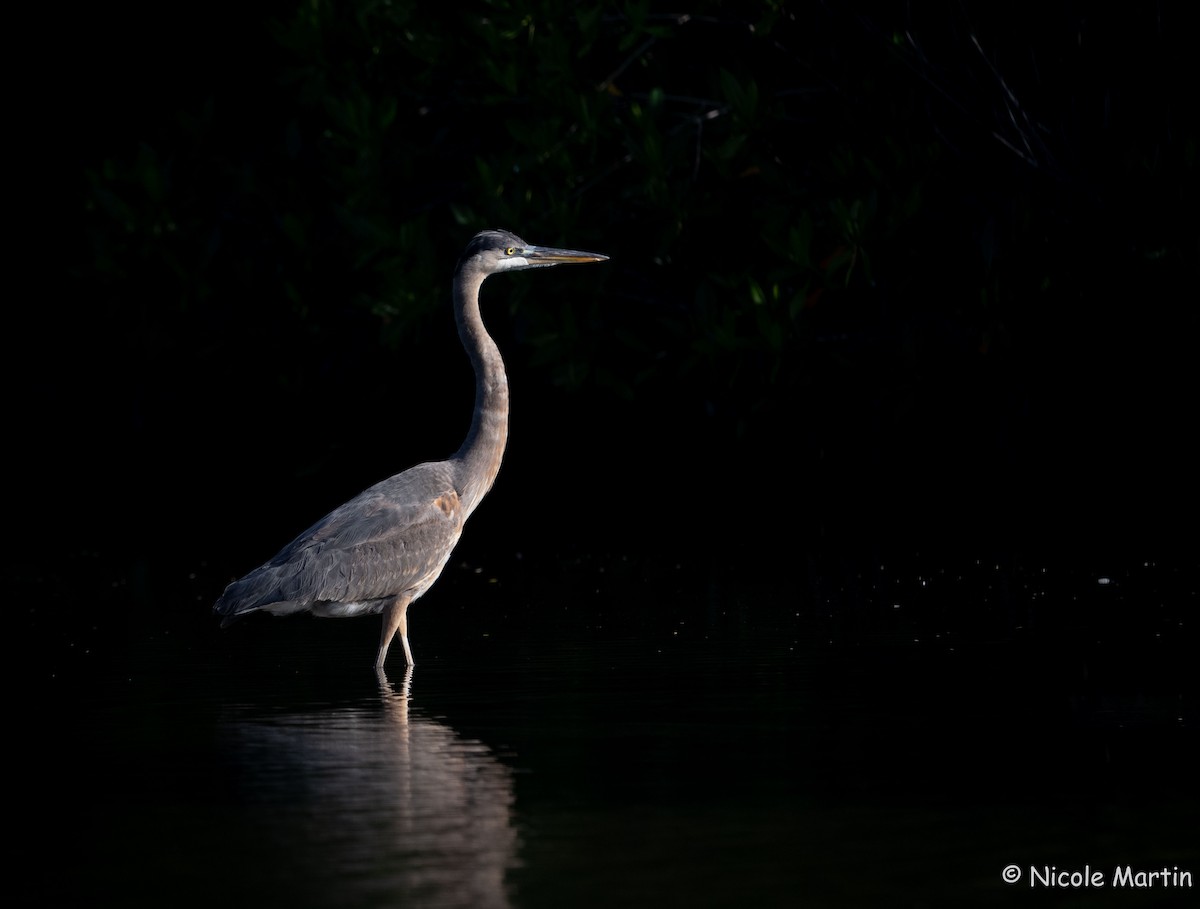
631,734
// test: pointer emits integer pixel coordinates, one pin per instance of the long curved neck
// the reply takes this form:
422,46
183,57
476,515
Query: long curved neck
480,454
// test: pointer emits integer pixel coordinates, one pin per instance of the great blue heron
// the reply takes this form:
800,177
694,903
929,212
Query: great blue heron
386,546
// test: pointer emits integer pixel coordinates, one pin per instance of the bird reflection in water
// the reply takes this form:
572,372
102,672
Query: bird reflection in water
379,803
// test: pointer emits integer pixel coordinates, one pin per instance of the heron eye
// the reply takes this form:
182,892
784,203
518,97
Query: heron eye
510,251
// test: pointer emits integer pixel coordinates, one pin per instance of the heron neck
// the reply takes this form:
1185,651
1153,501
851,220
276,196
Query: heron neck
480,454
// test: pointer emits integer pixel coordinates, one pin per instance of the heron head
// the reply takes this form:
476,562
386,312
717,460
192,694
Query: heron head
493,251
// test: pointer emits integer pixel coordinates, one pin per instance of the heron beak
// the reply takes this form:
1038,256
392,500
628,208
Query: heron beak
546,255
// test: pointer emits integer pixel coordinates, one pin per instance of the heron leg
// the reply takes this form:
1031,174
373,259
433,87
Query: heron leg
395,619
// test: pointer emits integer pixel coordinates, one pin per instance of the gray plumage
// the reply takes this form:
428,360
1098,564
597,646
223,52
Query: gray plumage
381,550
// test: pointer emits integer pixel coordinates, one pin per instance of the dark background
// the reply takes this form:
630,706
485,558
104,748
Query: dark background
876,434
903,278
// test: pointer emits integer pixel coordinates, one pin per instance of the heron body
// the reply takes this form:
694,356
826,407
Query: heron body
384,548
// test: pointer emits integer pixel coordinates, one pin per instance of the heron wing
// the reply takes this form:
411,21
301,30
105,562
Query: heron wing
391,538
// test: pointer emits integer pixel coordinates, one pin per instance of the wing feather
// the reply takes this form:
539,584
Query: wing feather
391,538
